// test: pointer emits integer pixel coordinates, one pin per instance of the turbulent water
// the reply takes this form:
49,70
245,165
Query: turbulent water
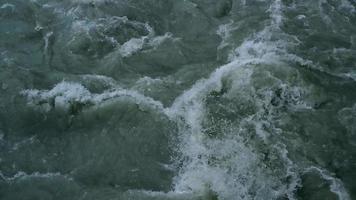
177,99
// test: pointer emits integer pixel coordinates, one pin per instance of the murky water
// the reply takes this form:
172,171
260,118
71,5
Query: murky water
177,99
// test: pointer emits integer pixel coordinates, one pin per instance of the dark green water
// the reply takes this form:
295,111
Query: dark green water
177,99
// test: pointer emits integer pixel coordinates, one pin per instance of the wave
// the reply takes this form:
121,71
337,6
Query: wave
231,166
232,141
64,95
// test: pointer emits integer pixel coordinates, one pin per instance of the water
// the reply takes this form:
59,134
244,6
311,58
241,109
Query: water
177,99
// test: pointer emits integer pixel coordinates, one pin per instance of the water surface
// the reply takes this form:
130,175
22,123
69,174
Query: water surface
177,99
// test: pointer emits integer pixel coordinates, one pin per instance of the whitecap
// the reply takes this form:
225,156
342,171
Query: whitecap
64,94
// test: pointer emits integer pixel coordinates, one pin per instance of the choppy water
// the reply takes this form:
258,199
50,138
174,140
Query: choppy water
177,99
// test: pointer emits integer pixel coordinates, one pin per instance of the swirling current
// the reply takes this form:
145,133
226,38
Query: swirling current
177,99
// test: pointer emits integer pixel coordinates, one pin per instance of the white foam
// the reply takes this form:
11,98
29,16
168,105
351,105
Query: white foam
137,44
224,33
229,179
240,169
301,17
66,93
126,48
47,39
20,144
336,185
148,81
129,47
276,13
144,194
91,1
291,172
135,96
8,5
158,40
240,172
132,46
103,79
19,176
63,94
346,5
